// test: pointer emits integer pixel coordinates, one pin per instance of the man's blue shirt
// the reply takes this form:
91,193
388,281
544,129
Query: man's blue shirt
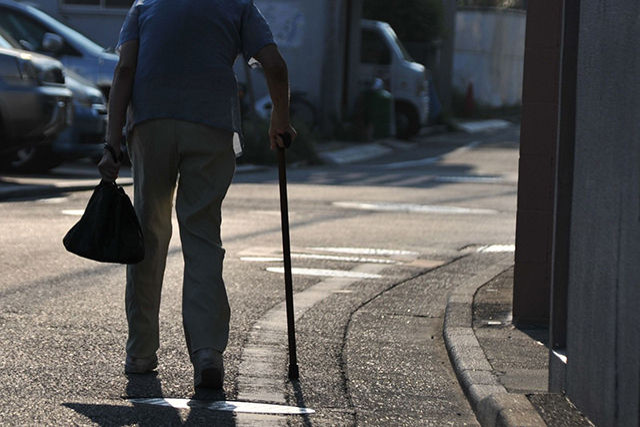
186,53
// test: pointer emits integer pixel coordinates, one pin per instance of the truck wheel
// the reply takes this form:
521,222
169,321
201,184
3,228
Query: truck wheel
303,111
407,121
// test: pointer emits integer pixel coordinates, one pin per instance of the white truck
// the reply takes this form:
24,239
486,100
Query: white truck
309,46
383,56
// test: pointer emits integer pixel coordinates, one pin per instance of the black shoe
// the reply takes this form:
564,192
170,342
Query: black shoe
208,369
140,365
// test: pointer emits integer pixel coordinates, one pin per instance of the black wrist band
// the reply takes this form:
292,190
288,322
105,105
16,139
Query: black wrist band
112,151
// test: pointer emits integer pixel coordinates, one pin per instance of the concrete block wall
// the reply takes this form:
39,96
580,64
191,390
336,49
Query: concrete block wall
489,53
603,330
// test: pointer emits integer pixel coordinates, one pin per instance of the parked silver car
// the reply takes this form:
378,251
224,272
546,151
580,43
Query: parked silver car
35,104
36,31
83,139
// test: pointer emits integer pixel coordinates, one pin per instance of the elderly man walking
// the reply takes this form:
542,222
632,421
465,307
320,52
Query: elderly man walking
175,72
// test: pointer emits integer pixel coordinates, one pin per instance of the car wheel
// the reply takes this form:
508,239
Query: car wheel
407,121
32,159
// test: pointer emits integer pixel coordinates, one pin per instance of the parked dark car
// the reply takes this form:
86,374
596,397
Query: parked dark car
38,32
35,104
83,139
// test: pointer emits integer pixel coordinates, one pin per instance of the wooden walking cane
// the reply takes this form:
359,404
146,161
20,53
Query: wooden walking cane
286,252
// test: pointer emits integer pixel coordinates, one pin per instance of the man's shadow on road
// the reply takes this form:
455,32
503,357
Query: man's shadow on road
149,386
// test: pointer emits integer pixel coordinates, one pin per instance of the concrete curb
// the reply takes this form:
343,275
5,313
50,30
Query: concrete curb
491,402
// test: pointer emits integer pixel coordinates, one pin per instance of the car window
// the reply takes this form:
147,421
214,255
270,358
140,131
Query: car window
23,30
67,32
374,49
405,53
5,44
6,38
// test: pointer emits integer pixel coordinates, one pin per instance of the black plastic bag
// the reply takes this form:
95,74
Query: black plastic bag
109,230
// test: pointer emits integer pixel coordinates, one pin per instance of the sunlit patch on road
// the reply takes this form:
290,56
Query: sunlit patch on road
497,248
326,273
430,160
413,208
226,406
53,200
483,125
73,212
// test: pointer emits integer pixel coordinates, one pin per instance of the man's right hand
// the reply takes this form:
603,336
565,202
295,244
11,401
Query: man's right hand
275,130
275,70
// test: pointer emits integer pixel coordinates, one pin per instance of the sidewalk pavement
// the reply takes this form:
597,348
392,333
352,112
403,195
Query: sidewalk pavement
503,369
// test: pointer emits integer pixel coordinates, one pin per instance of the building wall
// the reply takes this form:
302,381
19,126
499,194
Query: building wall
310,34
603,335
489,54
300,28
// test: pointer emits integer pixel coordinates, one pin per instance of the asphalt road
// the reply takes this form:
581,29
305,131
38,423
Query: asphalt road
370,346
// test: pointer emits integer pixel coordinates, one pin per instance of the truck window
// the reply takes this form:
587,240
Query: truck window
374,49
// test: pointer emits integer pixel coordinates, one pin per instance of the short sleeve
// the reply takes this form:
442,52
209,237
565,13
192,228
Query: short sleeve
129,30
255,33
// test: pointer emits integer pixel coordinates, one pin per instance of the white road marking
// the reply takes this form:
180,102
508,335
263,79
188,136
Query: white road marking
226,406
366,251
321,257
413,208
560,355
269,213
73,212
326,273
430,160
260,259
497,248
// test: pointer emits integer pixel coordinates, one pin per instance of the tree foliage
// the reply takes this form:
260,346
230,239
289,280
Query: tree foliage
412,20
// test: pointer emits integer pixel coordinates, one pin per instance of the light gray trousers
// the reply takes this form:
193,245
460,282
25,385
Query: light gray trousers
201,161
